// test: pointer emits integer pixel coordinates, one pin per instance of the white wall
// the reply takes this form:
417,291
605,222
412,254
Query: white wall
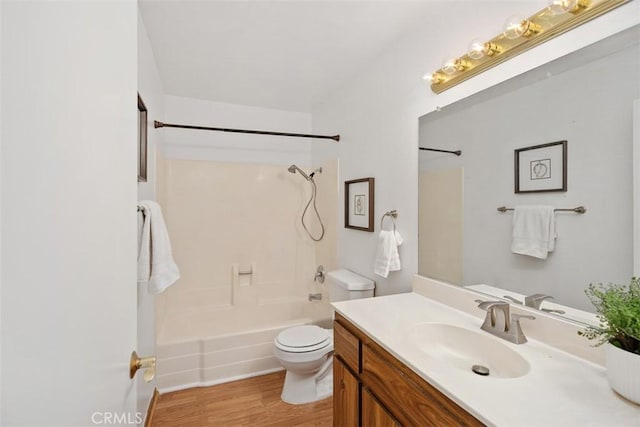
151,90
595,118
234,147
152,93
68,222
377,113
1,7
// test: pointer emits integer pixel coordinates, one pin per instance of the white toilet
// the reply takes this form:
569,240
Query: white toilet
305,351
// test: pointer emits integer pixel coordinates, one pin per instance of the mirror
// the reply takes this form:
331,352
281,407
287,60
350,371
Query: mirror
585,98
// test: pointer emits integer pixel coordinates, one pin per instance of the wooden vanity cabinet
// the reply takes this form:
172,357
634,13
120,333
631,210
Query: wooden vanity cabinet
374,389
346,396
373,413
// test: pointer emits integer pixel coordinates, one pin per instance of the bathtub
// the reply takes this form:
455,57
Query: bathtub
226,343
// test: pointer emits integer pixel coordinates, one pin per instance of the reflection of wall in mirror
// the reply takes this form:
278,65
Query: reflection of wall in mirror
440,225
591,107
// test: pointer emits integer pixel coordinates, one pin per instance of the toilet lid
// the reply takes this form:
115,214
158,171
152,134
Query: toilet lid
303,338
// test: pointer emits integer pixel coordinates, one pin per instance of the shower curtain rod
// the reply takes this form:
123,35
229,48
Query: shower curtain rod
157,124
457,152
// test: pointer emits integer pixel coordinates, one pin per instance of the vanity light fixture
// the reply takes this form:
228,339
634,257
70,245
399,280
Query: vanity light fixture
520,34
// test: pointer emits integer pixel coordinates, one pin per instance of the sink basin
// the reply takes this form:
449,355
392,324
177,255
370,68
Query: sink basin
463,348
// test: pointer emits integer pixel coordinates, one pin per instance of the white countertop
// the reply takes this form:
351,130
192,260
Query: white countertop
559,389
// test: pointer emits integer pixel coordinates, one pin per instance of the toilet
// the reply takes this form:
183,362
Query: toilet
306,351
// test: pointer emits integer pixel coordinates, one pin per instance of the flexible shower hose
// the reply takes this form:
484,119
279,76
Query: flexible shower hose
312,199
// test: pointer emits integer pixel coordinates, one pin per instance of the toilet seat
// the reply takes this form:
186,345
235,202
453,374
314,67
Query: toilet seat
302,339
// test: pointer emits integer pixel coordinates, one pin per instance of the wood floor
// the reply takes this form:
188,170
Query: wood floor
251,402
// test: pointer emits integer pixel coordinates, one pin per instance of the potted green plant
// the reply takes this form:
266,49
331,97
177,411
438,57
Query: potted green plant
618,308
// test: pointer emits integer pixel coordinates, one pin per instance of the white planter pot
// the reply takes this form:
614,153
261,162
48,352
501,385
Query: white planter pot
623,370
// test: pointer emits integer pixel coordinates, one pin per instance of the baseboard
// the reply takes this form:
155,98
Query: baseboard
219,381
152,408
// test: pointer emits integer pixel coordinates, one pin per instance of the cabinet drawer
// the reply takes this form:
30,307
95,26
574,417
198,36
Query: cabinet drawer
407,396
347,346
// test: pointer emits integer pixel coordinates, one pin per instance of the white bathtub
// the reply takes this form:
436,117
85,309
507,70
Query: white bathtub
224,343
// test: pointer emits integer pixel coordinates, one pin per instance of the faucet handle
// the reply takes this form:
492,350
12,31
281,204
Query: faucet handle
515,330
487,305
535,300
490,307
512,299
320,274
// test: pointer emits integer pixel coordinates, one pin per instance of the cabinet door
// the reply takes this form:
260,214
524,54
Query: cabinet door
346,396
374,414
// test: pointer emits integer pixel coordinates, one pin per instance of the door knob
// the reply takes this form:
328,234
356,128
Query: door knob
147,363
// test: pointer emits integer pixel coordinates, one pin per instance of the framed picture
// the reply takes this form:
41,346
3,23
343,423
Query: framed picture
541,168
358,204
142,141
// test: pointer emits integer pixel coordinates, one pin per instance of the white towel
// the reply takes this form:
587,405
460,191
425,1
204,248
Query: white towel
156,267
387,257
534,231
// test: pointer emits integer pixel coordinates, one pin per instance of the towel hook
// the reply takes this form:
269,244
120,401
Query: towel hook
393,214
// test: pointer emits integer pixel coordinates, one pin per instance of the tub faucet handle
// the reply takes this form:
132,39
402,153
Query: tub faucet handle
319,277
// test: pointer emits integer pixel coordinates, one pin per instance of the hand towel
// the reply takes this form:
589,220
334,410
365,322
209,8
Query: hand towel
156,268
534,231
387,256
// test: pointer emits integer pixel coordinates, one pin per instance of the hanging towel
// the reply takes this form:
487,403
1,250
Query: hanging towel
156,268
534,231
387,257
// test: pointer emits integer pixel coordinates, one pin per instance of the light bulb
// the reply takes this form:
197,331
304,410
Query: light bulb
479,49
433,78
476,49
558,7
517,26
450,66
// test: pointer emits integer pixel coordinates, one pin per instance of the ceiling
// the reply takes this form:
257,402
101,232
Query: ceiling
276,54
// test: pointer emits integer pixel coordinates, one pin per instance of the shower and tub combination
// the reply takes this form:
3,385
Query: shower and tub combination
247,270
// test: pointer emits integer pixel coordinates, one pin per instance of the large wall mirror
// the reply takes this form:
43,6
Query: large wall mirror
585,98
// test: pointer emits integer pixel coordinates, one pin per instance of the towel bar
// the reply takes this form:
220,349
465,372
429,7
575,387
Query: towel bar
393,214
579,209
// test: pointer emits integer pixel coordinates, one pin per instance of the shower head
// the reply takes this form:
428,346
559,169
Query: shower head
294,168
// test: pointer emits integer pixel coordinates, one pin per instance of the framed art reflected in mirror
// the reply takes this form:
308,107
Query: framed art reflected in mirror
541,168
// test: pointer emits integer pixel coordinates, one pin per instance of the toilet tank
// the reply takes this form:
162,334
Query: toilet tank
346,285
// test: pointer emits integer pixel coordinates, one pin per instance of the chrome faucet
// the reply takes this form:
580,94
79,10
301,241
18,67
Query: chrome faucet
535,300
507,326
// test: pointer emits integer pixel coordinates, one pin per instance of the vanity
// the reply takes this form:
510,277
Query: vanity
406,359
372,385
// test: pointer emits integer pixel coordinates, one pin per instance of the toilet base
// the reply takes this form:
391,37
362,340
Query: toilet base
300,389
